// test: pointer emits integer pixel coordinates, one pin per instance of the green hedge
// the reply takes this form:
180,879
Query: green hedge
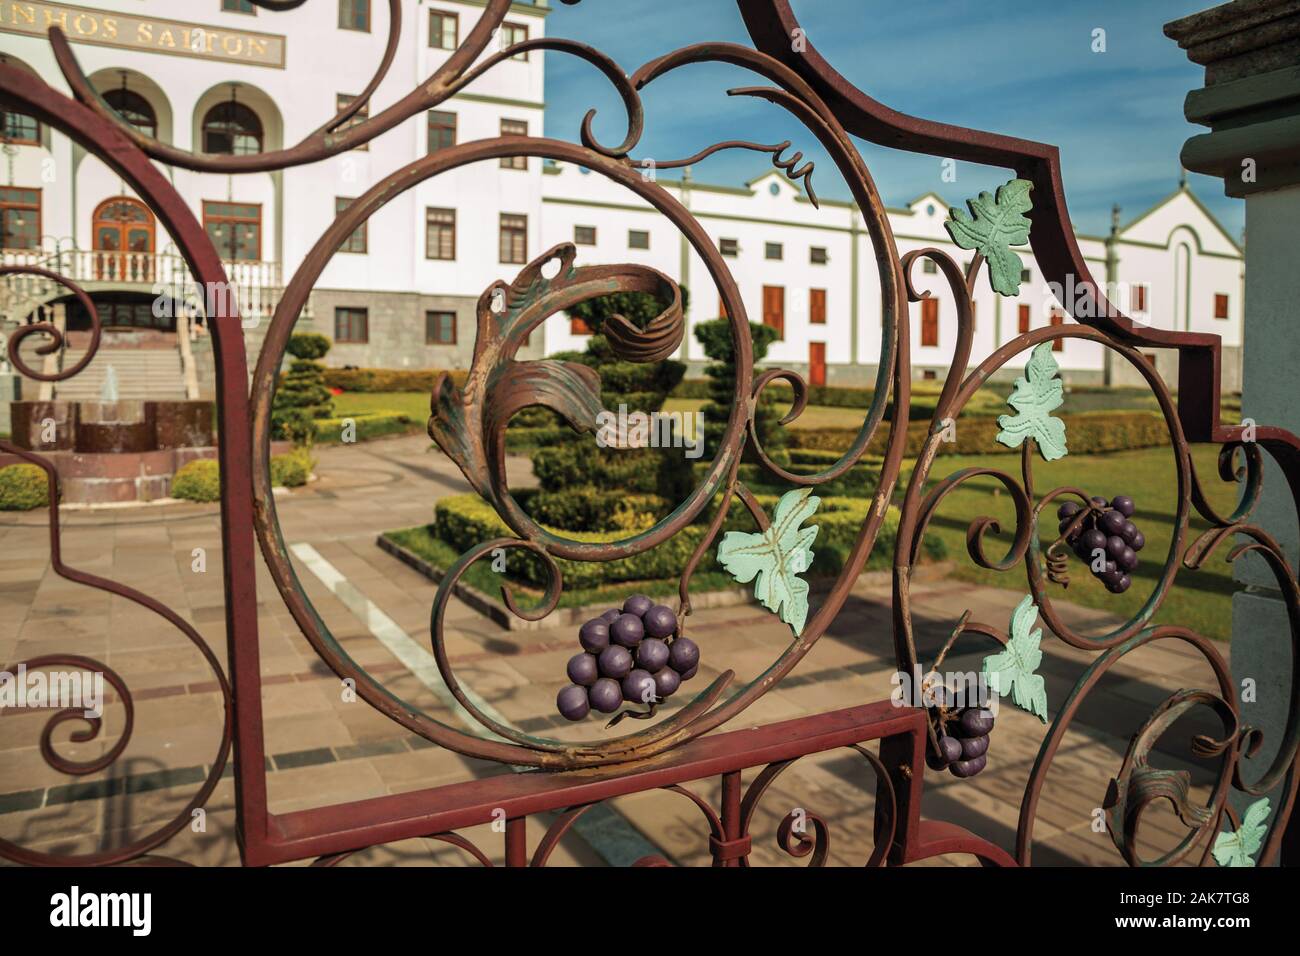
23,487
371,425
590,508
387,379
1086,433
198,480
634,471
466,521
292,470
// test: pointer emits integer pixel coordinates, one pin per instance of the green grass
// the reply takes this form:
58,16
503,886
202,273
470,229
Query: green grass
414,404
1201,600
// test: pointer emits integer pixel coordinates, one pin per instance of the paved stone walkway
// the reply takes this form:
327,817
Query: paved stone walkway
324,750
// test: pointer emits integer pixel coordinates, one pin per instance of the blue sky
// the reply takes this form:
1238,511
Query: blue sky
1021,67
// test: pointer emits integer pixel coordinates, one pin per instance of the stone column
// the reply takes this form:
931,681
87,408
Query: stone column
1251,103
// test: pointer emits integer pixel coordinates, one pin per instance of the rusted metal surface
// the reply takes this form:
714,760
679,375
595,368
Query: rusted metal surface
469,423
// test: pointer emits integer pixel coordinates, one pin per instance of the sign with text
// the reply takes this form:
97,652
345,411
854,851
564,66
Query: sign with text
151,34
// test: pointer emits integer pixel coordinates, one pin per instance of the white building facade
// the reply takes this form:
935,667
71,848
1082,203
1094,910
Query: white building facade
221,76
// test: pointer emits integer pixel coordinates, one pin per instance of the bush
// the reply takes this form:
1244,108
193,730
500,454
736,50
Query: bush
302,396
715,337
388,380
631,471
465,521
23,487
592,509
308,345
291,470
198,480
373,425
1086,433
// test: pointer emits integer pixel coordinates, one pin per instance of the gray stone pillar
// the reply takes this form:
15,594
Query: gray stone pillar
1251,103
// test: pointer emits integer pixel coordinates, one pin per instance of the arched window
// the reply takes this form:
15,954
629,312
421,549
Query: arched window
134,108
231,127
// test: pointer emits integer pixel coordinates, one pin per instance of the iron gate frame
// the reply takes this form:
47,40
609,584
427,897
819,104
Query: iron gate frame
573,778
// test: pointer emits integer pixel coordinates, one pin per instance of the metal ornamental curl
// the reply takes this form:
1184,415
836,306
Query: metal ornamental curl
469,423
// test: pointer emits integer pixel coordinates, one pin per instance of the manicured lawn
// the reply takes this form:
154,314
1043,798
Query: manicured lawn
1199,599
414,404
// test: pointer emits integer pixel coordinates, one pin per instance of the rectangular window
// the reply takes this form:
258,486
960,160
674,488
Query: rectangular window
354,15
352,326
357,241
817,256
929,267
360,116
817,306
1138,299
1023,319
20,218
584,235
638,239
774,308
235,229
514,128
1220,306
444,30
930,321
512,33
514,238
440,328
729,247
1026,275
238,6
18,129
773,250
442,130
439,233
1057,317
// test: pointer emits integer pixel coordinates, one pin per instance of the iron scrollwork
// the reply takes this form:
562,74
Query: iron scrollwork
469,423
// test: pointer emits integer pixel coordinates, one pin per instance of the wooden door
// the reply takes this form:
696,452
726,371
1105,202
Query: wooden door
817,306
816,363
930,321
123,238
774,308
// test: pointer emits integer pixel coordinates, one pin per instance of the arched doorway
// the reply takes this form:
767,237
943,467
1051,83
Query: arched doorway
123,237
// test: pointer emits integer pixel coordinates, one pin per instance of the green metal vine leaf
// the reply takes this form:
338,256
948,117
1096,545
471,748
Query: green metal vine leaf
1012,671
992,227
1239,848
773,559
1035,396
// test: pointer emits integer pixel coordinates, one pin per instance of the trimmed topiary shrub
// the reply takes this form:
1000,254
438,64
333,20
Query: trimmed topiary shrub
302,397
365,427
715,337
198,480
388,379
23,487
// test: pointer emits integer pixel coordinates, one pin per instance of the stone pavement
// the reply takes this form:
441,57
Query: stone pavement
323,750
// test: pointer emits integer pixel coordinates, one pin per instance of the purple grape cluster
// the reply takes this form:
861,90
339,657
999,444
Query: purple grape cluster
1109,527
963,742
632,655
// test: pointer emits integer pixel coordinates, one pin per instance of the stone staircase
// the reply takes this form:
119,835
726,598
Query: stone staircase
153,374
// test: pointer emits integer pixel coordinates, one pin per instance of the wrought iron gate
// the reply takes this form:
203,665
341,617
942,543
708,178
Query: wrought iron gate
469,423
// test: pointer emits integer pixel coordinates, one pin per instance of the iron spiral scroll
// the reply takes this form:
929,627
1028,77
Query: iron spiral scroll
469,423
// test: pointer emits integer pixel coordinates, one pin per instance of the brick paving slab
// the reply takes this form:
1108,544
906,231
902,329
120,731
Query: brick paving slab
322,748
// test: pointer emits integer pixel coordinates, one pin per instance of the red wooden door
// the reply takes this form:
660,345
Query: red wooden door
774,308
930,321
816,363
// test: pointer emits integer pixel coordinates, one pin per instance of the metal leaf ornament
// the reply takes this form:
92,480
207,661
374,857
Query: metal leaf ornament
775,557
469,421
996,223
1034,397
1012,671
1239,848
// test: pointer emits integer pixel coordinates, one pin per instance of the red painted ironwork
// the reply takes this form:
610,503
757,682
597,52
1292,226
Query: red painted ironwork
470,422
